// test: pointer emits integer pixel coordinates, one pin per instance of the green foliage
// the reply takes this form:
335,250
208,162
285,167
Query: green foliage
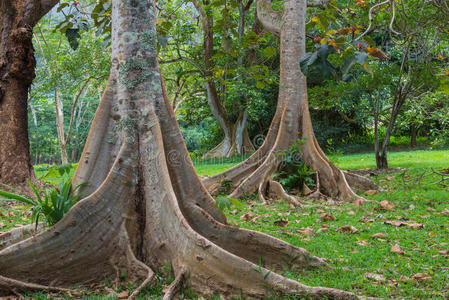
294,173
54,204
223,203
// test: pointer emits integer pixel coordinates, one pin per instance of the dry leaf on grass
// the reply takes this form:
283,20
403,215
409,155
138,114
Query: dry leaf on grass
248,216
362,243
386,205
421,277
444,213
123,295
324,229
282,223
2,225
319,211
347,228
396,249
378,235
234,212
306,231
327,217
375,277
413,225
366,220
371,192
351,212
283,214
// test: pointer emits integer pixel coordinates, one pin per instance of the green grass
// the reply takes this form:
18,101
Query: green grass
352,256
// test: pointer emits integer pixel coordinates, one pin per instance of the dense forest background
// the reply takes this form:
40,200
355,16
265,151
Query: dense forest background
355,85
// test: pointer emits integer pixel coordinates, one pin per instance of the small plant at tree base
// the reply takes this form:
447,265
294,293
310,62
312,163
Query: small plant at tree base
54,204
225,187
294,173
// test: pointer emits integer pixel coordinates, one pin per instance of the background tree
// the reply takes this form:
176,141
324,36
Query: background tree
291,121
17,63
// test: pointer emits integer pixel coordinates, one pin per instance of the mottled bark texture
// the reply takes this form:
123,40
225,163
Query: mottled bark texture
145,205
290,123
17,63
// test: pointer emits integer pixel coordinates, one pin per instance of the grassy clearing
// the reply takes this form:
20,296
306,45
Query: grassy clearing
361,263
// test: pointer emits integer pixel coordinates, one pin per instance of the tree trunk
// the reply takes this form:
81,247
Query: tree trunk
236,138
413,135
60,128
17,63
145,205
291,121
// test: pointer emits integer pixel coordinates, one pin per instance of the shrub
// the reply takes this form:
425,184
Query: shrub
54,204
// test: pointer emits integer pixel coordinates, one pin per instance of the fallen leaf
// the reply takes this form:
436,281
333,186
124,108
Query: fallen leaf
347,228
11,214
375,277
394,223
396,249
319,211
430,209
322,230
2,225
255,218
24,219
404,279
248,216
306,231
414,225
378,235
371,192
327,217
390,178
421,277
444,213
282,223
234,212
362,243
123,294
386,205
351,212
366,220
283,214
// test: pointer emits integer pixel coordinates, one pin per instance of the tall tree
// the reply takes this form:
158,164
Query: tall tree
291,121
145,207
236,139
17,63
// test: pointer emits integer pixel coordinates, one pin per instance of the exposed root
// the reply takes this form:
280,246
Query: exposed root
175,286
17,285
277,189
19,234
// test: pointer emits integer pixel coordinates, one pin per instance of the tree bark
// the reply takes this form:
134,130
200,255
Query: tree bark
17,63
291,121
145,205
413,135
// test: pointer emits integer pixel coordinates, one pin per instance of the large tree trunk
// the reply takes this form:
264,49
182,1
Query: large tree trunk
17,63
145,206
290,123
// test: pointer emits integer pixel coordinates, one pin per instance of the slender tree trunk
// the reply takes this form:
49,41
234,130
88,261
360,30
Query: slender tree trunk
60,128
145,206
413,135
17,63
236,138
290,123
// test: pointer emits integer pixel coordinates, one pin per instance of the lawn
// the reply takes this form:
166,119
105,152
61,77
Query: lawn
399,250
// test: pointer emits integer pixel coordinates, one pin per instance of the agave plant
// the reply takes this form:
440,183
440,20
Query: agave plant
54,204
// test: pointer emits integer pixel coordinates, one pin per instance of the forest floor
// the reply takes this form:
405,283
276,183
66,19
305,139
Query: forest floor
396,247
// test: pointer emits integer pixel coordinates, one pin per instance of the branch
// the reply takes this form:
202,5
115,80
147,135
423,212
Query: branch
370,17
270,19
75,102
317,3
